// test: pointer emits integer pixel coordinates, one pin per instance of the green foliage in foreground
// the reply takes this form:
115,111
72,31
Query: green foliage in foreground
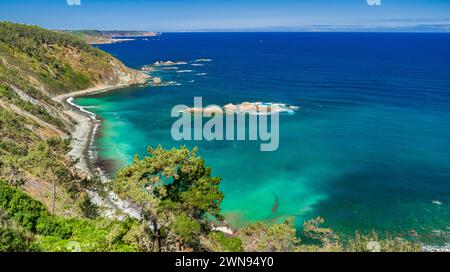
175,193
284,238
223,243
13,238
35,229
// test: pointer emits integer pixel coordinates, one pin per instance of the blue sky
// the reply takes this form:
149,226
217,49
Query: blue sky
180,15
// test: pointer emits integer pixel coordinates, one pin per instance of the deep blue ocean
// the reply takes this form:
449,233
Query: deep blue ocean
369,147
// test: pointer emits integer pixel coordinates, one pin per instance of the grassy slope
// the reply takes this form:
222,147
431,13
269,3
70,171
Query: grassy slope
57,62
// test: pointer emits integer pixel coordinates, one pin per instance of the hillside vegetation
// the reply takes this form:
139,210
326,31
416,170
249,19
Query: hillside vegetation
35,66
54,62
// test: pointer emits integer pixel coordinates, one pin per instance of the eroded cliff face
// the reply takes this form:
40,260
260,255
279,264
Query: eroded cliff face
101,68
124,75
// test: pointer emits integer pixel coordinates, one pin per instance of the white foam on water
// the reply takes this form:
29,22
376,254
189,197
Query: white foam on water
437,202
165,84
444,248
169,63
82,109
203,60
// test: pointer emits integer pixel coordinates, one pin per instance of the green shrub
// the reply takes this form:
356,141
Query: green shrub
373,242
58,234
12,237
186,228
89,209
20,207
226,243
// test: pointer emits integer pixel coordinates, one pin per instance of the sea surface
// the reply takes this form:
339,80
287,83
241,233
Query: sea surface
369,147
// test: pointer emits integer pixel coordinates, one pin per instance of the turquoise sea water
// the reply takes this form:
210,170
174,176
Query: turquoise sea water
369,147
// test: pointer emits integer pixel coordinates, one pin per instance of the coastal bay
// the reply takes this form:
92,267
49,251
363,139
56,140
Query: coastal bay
327,164
86,125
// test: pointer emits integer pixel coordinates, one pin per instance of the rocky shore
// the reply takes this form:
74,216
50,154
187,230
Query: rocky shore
86,123
82,136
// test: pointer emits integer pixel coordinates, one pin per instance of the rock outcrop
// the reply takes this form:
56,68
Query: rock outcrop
246,107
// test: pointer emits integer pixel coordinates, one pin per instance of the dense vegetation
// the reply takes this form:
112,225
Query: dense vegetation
29,51
26,225
18,35
175,193
42,62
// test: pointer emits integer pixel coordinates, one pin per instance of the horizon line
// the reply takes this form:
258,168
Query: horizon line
419,28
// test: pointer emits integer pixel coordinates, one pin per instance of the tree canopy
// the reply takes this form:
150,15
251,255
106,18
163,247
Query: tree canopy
175,192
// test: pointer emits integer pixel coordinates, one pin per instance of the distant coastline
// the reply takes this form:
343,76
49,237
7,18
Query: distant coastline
95,37
108,41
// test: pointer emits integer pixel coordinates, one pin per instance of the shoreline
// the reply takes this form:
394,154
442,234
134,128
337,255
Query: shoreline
83,136
87,124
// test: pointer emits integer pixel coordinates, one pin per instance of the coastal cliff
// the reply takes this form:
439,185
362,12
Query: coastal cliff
38,68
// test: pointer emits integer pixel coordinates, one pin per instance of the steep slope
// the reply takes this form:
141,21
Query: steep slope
36,65
57,62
